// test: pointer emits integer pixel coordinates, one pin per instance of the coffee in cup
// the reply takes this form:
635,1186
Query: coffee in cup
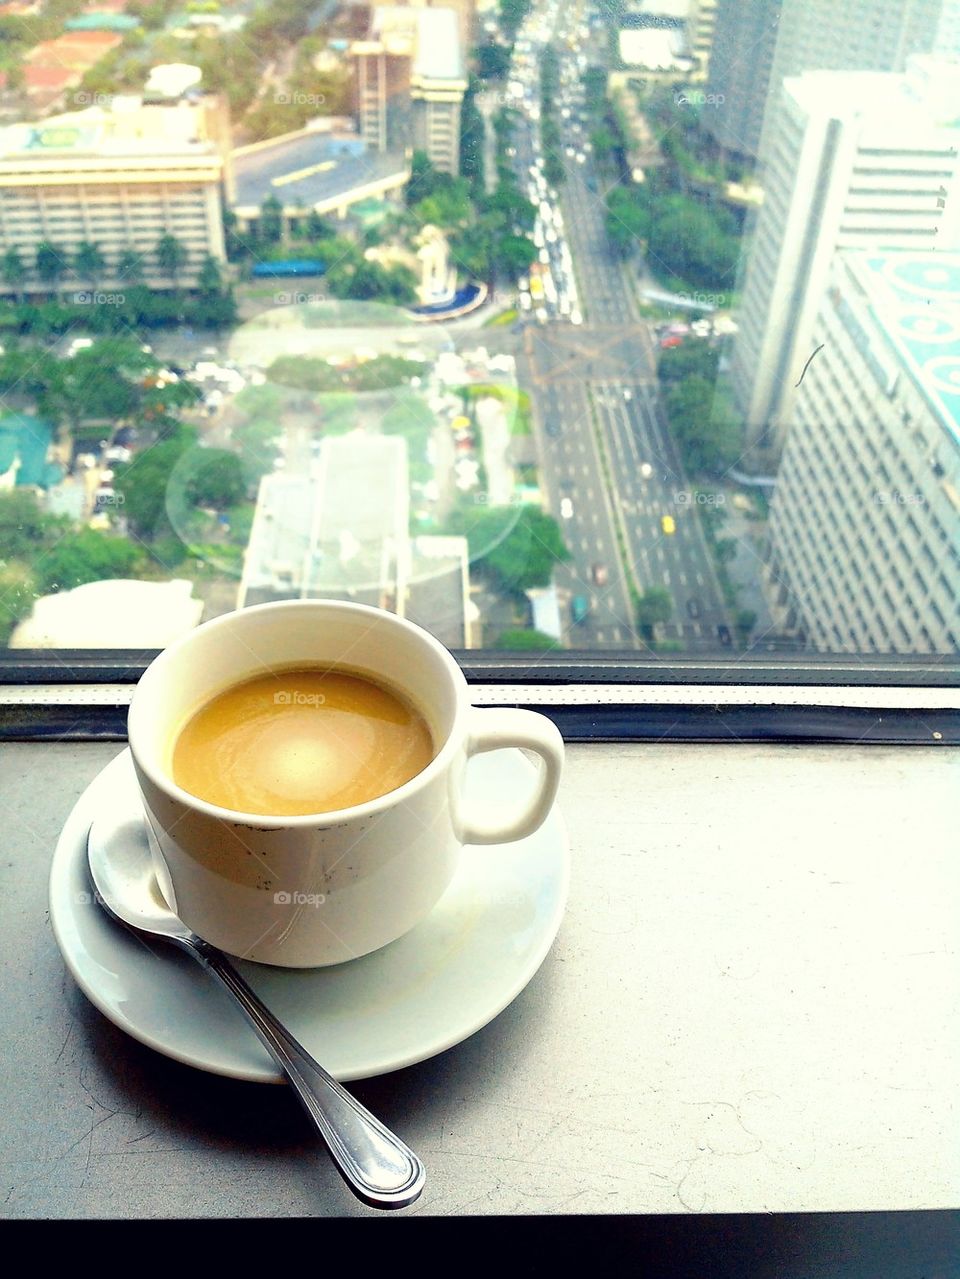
306,740
310,888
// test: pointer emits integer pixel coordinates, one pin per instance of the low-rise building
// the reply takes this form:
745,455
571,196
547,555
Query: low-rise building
337,526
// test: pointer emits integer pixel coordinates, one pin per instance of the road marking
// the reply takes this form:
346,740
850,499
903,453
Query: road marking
297,174
666,576
683,579
699,579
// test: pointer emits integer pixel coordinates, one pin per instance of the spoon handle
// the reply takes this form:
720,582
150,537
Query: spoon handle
377,1166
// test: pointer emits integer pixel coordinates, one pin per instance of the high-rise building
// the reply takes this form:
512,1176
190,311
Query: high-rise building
857,35
410,82
120,178
701,26
865,520
948,31
744,37
757,44
858,160
464,9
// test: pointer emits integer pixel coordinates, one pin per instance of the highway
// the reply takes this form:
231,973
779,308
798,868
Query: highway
608,464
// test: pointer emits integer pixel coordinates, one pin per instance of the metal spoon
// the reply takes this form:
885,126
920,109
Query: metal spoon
375,1164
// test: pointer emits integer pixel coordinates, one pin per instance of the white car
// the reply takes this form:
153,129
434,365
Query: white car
566,508
646,470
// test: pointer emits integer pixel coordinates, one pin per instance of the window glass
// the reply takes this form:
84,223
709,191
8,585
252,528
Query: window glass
629,326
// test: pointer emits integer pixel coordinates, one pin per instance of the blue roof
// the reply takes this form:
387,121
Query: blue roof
915,299
27,437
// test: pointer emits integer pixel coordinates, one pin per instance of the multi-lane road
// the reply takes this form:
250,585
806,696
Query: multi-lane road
608,463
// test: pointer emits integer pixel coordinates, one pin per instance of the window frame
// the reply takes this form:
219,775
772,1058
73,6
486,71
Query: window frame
78,695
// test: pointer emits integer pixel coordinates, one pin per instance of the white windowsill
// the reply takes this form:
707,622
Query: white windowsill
753,1005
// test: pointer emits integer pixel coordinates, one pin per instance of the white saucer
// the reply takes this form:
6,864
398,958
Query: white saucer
422,994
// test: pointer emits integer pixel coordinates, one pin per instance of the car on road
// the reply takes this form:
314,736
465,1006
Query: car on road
646,470
599,574
693,608
668,524
627,394
553,430
579,608
566,508
724,636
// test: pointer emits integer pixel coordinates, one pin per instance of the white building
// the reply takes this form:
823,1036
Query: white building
856,35
865,520
859,160
120,613
120,178
337,526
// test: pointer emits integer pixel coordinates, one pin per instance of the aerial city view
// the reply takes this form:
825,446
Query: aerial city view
616,325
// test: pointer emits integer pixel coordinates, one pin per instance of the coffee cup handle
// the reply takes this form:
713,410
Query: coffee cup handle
502,727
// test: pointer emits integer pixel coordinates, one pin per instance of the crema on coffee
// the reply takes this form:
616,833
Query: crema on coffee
300,741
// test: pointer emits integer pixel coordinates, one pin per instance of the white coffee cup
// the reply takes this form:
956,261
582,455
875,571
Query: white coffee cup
303,892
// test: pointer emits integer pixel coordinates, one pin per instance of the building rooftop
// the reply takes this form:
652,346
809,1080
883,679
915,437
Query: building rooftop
915,300
654,48
126,128
114,614
430,36
926,94
310,170
121,22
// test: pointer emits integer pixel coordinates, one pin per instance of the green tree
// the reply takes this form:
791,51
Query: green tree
25,530
626,220
210,279
171,257
694,357
516,549
532,640
130,267
271,220
89,263
50,263
317,227
143,483
515,254
654,607
87,556
13,269
493,60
